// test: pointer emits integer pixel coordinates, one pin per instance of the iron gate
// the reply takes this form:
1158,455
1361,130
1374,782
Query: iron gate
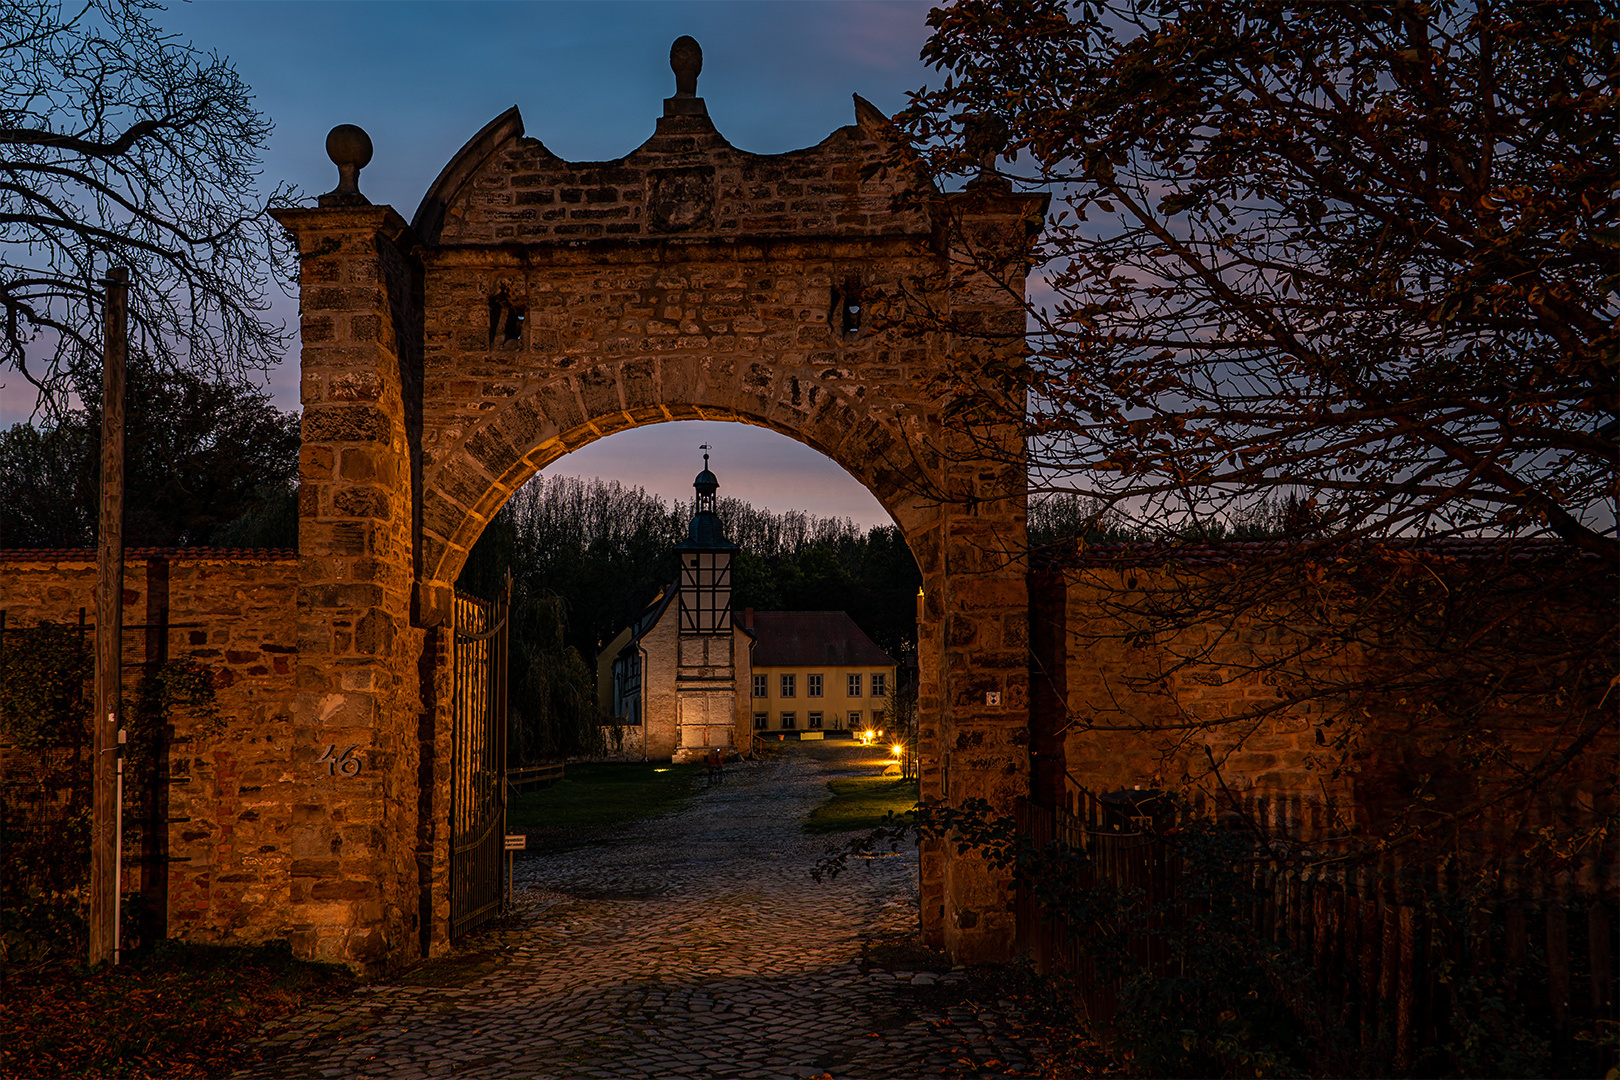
478,761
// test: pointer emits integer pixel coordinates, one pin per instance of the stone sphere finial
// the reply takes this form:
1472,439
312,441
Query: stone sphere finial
349,147
686,60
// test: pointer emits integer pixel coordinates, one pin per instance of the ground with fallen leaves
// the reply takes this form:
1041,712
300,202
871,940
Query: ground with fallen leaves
180,1012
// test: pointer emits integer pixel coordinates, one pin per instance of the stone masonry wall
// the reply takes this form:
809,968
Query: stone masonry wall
370,877
230,798
1314,775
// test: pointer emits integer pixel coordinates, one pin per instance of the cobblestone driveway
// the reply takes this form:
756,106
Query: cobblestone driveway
695,945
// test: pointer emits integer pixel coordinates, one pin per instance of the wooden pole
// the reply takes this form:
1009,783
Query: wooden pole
104,843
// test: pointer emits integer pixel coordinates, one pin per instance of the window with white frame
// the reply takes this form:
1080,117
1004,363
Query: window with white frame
880,684
813,721
790,721
762,686
855,720
854,686
788,685
762,721
812,686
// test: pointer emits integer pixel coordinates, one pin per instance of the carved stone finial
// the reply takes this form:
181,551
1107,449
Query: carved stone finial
686,60
349,147
984,136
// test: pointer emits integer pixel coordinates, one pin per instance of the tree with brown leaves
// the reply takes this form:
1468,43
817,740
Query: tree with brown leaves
1357,258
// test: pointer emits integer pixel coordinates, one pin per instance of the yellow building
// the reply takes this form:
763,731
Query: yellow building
816,674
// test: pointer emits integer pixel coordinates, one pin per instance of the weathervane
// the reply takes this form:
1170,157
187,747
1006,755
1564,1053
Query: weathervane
705,448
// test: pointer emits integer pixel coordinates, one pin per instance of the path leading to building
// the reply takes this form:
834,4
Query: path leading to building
695,945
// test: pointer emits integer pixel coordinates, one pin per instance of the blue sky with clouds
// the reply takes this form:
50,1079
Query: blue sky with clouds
590,79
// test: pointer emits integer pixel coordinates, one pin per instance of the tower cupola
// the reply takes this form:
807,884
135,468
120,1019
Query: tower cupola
705,485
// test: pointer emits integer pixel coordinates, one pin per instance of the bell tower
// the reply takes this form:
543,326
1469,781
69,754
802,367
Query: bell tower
706,669
706,563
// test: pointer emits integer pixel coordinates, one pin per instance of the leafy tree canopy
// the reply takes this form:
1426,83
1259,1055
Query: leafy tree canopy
1344,276
1362,253
210,464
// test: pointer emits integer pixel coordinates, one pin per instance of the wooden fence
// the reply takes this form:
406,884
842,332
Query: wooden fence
529,777
1399,953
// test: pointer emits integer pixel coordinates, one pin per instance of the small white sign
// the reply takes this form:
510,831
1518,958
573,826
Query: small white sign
517,841
992,697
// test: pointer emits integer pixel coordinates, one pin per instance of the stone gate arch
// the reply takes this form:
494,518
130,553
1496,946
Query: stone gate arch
534,305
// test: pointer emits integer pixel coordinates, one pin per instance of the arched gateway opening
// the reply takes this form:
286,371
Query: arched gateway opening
534,305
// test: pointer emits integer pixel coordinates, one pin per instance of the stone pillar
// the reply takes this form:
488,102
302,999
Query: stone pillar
977,603
358,705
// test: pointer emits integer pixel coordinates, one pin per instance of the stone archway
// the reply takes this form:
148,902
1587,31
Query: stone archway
534,305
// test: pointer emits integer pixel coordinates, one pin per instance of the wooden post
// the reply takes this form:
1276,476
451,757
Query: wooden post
104,884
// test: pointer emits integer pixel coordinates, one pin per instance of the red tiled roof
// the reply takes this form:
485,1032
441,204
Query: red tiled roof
46,555
813,639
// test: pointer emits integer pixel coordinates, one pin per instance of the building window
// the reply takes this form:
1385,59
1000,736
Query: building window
762,686
812,686
790,721
855,720
880,685
813,721
788,685
854,686
761,721
627,687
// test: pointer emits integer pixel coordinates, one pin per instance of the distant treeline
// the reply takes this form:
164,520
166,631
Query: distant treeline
206,464
604,550
1066,515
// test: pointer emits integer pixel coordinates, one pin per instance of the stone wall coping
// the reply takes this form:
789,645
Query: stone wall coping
191,554
1111,554
314,219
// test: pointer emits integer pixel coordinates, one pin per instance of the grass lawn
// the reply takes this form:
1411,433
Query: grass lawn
599,795
861,802
179,1011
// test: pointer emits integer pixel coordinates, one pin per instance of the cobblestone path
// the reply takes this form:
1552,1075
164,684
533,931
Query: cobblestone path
694,945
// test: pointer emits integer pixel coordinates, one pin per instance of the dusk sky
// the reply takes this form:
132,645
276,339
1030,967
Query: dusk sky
590,78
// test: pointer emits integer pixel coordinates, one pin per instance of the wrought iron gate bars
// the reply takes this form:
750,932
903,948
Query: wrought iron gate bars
478,760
